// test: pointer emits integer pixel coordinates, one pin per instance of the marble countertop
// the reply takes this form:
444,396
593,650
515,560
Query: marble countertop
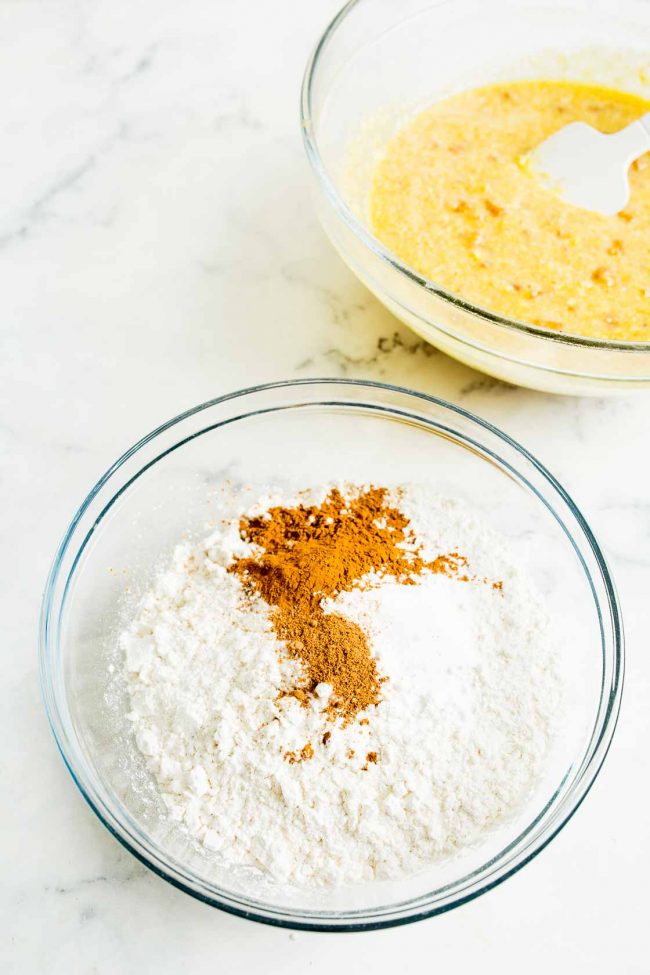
158,248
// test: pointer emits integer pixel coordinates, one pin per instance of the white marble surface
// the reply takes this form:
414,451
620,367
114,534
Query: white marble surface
157,248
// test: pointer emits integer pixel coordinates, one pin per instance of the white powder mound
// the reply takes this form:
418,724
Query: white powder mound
460,735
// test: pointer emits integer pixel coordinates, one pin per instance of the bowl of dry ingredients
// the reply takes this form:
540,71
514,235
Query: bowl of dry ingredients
331,655
417,120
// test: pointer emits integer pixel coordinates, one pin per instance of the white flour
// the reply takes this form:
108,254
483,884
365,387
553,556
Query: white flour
460,735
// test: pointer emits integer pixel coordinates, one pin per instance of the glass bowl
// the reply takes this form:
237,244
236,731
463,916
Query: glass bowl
377,63
293,434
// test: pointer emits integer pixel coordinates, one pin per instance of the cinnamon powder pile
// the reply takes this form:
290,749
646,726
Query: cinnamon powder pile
308,553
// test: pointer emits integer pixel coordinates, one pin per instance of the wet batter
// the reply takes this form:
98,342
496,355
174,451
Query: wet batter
452,196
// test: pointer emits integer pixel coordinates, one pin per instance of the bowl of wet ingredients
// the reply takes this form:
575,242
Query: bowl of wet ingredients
419,121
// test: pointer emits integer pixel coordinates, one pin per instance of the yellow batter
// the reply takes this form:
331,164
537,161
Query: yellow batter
453,198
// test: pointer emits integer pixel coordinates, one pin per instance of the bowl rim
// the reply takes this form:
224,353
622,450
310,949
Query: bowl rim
594,757
310,143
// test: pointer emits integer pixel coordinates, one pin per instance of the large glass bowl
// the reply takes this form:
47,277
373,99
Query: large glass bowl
378,62
297,433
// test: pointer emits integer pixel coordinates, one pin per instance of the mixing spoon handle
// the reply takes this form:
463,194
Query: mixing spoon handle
634,139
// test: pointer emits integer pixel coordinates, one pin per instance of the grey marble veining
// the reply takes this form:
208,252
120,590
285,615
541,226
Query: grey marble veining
157,248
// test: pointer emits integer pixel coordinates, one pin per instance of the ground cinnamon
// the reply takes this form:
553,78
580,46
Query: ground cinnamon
305,753
308,553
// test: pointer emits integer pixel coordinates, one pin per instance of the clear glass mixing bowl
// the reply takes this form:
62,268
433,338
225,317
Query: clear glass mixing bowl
379,61
297,433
